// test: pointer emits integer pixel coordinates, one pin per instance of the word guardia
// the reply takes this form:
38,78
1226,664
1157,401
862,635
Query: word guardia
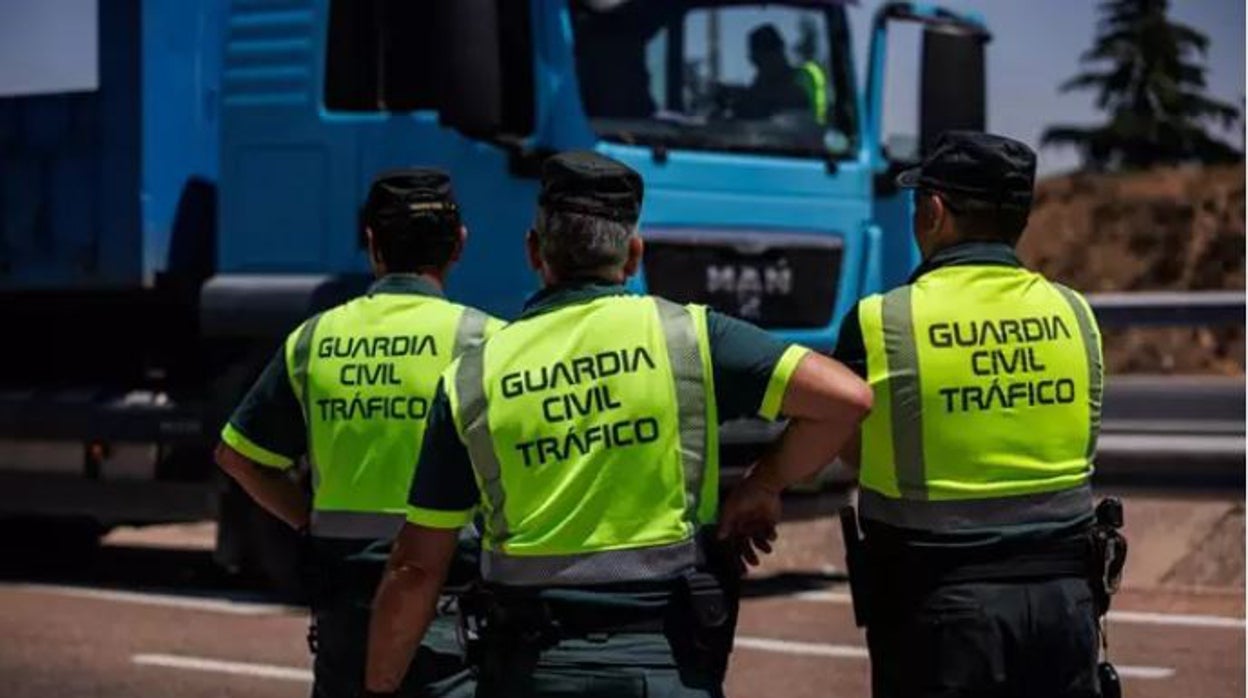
370,347
576,371
977,333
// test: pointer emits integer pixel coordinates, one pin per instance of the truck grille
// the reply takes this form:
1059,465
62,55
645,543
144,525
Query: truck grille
779,281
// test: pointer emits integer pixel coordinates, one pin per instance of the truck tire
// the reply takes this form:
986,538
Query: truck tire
49,544
251,542
259,547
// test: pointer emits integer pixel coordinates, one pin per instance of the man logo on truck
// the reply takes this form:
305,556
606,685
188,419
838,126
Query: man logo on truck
749,284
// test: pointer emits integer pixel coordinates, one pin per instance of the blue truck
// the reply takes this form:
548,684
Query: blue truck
164,226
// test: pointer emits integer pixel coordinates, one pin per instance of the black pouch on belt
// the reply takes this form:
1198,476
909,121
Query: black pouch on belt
712,596
1109,553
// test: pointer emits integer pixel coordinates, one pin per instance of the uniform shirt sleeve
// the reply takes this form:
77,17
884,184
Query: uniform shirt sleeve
850,348
267,426
444,492
752,367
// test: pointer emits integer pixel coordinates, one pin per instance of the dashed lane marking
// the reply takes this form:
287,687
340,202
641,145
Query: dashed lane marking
819,649
763,644
813,649
257,608
1176,619
1185,620
218,666
191,603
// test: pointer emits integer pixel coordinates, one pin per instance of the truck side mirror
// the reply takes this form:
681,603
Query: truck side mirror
486,76
952,92
470,96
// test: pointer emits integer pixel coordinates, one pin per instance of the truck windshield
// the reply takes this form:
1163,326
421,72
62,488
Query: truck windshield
771,78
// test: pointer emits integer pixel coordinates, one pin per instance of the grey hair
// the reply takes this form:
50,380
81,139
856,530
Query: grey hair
576,244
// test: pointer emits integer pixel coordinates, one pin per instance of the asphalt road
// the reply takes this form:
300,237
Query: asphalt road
147,622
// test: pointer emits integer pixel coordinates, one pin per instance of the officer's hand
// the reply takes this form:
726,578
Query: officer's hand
749,518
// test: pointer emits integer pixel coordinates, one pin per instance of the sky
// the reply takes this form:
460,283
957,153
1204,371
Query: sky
1035,47
48,46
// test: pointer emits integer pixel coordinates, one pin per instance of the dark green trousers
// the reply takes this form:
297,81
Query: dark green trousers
342,639
616,666
988,640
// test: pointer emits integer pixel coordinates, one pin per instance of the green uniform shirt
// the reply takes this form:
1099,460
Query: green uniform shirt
851,351
751,370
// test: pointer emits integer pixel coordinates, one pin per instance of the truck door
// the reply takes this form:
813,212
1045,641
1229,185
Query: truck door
951,96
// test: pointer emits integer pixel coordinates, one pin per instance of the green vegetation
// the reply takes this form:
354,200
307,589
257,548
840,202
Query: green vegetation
1149,77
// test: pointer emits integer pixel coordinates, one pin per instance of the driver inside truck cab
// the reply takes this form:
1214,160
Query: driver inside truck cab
777,85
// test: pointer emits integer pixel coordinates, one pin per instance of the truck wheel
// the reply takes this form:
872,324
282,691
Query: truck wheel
276,556
251,542
51,544
254,544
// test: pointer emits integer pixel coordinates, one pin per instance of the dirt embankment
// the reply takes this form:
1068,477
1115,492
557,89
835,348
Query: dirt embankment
1167,229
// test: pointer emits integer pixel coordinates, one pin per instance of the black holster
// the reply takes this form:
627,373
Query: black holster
1109,553
713,596
903,576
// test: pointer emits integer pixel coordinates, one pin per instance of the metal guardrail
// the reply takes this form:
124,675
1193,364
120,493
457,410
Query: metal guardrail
1168,308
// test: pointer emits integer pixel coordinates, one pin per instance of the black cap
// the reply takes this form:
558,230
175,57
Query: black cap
585,182
399,197
979,167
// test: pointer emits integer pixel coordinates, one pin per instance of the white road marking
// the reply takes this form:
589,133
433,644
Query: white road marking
1176,619
1132,617
264,671
1144,672
814,649
824,596
820,649
192,603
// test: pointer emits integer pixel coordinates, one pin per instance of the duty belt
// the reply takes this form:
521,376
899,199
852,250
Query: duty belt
1068,557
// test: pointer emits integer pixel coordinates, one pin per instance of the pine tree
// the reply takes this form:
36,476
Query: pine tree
1149,77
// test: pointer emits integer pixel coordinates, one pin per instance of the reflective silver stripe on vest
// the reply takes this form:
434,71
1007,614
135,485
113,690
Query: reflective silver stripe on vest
302,358
962,514
905,393
685,357
471,330
475,420
633,564
1096,381
355,524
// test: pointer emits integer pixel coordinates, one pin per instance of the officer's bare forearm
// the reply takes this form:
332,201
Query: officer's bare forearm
851,454
825,402
406,602
271,489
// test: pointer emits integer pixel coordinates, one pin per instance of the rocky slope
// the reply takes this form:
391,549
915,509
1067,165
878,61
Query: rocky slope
1169,229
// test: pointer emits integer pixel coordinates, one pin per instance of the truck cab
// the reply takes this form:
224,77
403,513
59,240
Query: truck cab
166,219
759,151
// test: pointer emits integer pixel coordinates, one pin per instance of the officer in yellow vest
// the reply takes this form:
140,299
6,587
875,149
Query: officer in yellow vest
814,81
975,501
351,389
585,433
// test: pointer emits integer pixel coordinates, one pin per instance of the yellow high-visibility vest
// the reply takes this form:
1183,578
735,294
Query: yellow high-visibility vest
592,432
988,383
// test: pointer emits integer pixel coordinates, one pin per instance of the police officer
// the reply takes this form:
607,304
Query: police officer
975,502
586,434
351,389
777,86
